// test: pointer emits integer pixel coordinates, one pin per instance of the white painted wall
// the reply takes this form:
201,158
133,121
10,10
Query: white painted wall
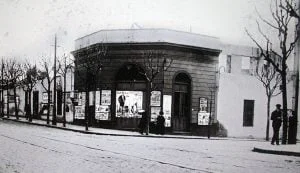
234,88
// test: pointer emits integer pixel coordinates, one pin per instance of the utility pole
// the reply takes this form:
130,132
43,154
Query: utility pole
2,88
65,81
54,87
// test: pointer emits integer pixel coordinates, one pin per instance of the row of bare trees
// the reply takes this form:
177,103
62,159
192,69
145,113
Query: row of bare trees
16,75
276,50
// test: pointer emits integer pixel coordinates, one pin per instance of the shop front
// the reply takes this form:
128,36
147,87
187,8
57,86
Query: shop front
122,89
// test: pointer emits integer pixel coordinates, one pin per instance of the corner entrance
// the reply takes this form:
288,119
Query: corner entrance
182,97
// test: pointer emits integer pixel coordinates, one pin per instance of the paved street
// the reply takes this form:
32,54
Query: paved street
28,148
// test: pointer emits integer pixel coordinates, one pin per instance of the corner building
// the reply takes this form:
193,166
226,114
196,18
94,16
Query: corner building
186,91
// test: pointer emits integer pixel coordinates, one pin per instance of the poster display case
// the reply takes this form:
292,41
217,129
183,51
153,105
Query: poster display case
128,103
167,107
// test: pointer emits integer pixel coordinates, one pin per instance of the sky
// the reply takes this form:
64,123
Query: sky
28,27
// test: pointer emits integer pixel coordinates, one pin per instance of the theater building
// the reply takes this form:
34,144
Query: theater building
184,88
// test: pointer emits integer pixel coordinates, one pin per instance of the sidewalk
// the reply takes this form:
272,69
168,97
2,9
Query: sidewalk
99,131
289,149
260,146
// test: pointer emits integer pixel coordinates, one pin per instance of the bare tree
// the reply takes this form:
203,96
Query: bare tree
271,81
14,73
281,18
63,69
87,68
46,80
155,62
29,80
2,71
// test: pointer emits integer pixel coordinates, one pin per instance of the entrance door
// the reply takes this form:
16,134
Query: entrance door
35,104
181,118
181,112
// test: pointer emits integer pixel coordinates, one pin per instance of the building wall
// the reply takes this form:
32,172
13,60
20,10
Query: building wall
237,86
199,65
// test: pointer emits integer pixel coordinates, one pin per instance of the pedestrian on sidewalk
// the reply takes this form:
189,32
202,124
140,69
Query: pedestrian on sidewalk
143,121
276,118
160,123
292,132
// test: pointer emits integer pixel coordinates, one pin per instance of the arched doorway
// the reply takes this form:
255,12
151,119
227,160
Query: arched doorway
182,99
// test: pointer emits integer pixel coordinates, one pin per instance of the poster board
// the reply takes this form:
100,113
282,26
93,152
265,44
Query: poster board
106,97
167,109
155,98
102,112
79,112
203,118
203,104
128,103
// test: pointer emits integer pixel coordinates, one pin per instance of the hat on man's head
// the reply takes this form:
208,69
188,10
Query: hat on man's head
278,105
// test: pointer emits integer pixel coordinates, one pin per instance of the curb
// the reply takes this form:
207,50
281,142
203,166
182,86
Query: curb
99,133
287,153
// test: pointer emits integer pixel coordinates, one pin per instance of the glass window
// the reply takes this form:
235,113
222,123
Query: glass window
248,113
245,63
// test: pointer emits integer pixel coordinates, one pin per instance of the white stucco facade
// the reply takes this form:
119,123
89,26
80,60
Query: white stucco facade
235,86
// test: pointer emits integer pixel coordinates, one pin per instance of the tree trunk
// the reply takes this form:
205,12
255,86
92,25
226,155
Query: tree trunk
7,102
86,112
284,106
268,118
16,104
147,107
48,105
64,95
29,105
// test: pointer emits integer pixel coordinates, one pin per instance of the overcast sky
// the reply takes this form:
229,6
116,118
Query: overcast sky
28,26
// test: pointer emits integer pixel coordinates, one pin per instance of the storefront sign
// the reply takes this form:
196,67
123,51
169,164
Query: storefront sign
106,97
167,105
79,112
203,104
154,113
155,98
203,118
128,103
102,112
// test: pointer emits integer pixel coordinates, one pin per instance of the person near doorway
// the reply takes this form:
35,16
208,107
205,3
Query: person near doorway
292,132
276,118
160,123
143,122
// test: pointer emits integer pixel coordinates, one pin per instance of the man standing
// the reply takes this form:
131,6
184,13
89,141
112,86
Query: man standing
276,118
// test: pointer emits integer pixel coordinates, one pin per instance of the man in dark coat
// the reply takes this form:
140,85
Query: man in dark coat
292,132
276,118
160,123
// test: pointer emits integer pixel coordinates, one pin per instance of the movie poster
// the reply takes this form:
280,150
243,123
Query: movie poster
102,112
203,118
97,98
128,103
79,112
155,98
203,104
167,107
106,97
